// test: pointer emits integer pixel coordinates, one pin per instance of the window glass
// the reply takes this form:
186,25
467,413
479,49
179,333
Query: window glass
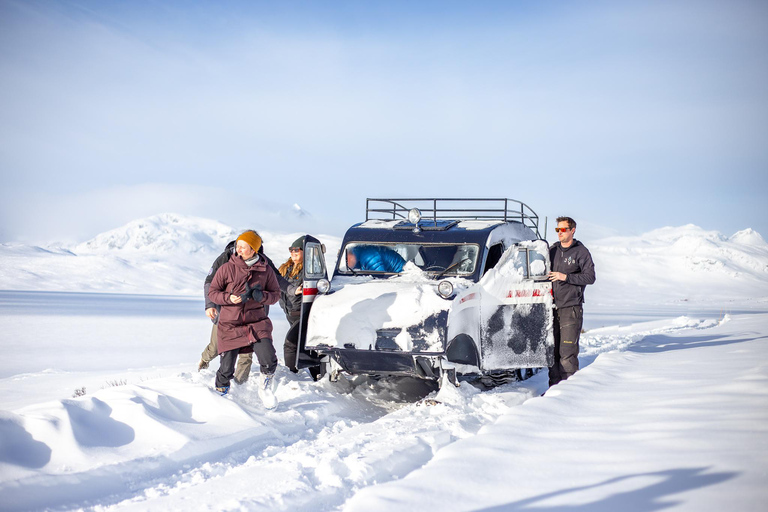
537,264
520,262
494,255
313,261
389,258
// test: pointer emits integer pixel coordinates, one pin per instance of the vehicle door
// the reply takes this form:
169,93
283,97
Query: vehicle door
314,271
516,310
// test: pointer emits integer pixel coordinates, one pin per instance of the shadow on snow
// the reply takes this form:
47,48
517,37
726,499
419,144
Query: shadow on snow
655,496
662,343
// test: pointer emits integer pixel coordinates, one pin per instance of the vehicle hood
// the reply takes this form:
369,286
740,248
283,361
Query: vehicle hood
402,313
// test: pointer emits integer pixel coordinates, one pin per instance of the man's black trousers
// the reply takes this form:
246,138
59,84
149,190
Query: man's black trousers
567,330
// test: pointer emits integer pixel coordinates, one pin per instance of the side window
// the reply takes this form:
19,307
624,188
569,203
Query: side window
342,263
314,267
537,264
521,262
494,254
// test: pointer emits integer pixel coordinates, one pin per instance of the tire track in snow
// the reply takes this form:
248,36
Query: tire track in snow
325,440
320,470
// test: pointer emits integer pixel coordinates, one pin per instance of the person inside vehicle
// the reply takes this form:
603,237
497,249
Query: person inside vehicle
374,258
243,286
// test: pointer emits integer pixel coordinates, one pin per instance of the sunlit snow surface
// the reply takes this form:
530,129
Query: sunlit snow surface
669,410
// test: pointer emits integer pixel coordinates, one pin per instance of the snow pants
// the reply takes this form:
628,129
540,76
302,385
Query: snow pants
265,354
244,361
567,331
291,344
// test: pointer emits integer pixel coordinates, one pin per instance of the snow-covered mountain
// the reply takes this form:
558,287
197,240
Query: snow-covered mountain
300,212
162,235
681,264
169,254
166,254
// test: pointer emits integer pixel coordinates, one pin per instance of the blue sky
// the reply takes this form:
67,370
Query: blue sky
627,116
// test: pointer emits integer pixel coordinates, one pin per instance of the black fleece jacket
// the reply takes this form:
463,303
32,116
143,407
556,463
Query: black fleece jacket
576,263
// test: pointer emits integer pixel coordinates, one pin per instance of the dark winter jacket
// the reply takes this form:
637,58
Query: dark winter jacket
576,263
247,322
383,259
229,251
289,301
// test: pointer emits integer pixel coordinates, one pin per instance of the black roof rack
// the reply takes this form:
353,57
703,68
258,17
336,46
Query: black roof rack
437,209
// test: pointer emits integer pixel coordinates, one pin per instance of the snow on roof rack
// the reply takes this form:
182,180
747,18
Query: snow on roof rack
506,210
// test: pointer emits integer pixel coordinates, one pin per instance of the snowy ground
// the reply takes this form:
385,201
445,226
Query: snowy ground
669,413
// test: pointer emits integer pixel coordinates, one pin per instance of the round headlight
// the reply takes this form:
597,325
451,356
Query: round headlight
445,289
323,286
414,216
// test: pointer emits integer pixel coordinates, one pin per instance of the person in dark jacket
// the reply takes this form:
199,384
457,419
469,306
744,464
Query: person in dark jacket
243,286
291,297
374,257
290,300
244,360
572,271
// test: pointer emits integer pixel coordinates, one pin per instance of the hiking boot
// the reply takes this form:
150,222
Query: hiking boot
267,390
202,365
268,381
222,390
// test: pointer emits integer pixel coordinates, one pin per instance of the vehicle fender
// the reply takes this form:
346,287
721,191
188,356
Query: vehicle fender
463,350
464,315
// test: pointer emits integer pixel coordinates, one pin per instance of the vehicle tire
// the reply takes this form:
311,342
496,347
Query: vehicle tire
318,372
499,378
524,373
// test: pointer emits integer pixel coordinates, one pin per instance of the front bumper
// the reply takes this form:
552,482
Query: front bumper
373,362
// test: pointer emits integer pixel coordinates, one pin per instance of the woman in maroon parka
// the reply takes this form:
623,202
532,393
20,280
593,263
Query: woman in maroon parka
242,287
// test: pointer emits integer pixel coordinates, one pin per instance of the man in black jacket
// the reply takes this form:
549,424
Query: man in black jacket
572,271
244,361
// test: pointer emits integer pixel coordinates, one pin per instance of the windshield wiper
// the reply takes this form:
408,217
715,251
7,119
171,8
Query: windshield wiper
453,266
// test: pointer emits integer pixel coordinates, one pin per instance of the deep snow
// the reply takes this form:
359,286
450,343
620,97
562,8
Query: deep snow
669,410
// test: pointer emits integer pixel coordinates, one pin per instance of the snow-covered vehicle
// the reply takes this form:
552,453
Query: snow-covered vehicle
465,293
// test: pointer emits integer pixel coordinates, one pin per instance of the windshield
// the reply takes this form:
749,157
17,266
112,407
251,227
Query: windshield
391,258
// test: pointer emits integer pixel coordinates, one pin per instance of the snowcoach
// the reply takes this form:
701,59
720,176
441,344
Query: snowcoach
431,288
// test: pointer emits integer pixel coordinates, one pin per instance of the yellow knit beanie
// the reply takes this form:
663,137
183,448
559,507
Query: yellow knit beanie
252,238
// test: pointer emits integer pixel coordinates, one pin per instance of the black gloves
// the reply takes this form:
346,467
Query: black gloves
254,293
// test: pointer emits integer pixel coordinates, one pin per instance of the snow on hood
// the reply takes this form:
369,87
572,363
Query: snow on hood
359,306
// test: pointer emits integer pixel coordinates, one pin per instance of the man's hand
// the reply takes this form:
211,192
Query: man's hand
557,276
235,299
211,313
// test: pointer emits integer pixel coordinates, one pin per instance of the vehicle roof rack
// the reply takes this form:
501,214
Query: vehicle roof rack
441,209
